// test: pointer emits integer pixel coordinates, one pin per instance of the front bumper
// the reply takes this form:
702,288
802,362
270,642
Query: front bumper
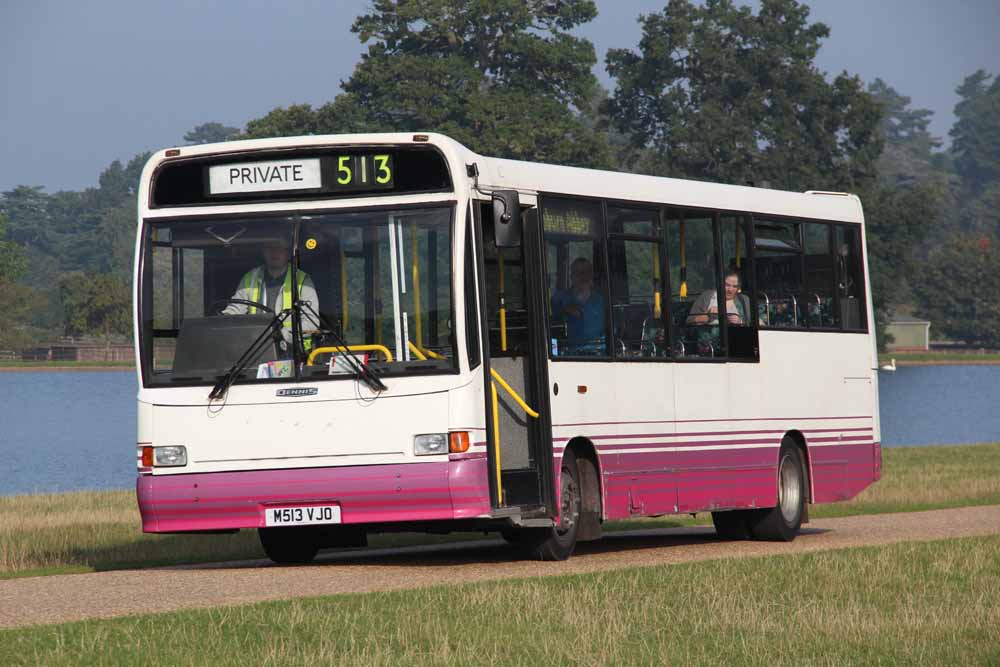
434,491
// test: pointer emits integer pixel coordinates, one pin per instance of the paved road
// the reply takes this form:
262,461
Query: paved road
56,599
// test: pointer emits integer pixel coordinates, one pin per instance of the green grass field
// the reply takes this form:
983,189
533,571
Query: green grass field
88,531
61,365
921,358
930,603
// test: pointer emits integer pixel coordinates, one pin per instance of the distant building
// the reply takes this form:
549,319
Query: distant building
909,334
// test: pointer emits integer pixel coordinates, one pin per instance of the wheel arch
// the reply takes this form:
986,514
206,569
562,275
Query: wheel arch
800,441
592,484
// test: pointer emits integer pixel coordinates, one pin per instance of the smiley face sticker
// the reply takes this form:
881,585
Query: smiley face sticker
310,244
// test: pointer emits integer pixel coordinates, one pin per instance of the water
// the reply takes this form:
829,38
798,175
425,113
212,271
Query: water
64,431
940,405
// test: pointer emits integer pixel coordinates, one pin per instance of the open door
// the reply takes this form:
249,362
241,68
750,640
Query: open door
519,429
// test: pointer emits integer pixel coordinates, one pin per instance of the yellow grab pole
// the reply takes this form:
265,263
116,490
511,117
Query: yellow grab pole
415,273
503,302
739,244
513,394
417,352
496,440
353,348
684,285
343,288
656,280
377,287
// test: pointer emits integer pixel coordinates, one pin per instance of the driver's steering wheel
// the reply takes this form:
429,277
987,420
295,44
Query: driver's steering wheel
222,303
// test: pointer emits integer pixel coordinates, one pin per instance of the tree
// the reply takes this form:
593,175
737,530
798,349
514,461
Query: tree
210,133
11,258
505,77
909,156
898,220
976,132
717,92
95,303
959,287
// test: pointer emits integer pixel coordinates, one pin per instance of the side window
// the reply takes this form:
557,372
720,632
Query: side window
504,301
694,283
778,264
850,278
471,302
635,258
820,282
577,284
736,281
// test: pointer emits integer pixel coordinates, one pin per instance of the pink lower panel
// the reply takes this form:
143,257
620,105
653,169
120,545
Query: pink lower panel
641,483
366,494
687,481
842,471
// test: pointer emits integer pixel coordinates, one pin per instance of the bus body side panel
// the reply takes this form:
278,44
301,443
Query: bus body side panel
822,382
439,490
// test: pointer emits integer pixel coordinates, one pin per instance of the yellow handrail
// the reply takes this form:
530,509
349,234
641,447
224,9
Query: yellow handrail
513,394
343,288
422,353
415,271
496,441
353,348
502,299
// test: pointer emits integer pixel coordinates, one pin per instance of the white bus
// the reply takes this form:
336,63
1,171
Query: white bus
343,335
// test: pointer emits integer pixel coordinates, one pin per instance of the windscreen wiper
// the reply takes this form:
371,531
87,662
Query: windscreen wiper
226,381
362,371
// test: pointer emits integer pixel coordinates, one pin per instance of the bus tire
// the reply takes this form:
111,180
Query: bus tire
732,524
781,523
558,542
288,546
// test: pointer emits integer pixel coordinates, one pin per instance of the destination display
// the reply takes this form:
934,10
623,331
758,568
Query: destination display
565,220
312,173
264,176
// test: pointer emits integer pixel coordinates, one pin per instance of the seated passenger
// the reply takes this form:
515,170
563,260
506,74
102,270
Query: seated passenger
705,309
581,307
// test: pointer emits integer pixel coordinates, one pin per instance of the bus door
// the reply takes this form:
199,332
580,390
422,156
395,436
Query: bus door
519,430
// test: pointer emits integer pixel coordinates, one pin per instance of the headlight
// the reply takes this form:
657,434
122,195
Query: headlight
430,443
169,456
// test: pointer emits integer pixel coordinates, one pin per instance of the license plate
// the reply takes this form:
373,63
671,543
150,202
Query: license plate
301,516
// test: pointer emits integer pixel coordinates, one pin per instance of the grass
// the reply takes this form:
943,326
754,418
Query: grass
918,358
65,364
912,603
100,530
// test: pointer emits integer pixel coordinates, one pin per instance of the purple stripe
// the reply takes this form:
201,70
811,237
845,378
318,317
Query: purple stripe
703,421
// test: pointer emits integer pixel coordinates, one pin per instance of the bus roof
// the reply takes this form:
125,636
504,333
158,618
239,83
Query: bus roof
535,177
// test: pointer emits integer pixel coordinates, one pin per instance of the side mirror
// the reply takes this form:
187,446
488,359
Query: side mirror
506,219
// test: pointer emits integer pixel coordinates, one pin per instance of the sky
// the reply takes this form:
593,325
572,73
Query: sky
86,83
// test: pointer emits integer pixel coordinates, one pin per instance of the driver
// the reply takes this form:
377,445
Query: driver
270,285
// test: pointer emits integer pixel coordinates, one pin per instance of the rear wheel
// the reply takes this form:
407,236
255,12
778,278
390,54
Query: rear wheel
289,546
781,523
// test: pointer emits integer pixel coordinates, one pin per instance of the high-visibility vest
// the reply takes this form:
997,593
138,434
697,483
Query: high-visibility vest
253,282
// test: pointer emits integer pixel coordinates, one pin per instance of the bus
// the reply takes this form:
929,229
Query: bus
352,334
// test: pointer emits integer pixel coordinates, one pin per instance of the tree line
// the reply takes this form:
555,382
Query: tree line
712,91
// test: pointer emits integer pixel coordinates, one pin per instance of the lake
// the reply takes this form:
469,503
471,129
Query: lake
62,431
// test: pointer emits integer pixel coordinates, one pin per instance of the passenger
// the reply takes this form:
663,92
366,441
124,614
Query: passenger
705,309
270,284
581,307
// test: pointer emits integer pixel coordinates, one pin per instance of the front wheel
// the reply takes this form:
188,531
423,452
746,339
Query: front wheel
558,542
289,546
782,523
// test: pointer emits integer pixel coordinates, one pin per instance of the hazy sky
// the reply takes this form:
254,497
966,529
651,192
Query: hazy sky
86,83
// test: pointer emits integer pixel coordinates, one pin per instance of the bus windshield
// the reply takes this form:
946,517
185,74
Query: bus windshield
377,280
